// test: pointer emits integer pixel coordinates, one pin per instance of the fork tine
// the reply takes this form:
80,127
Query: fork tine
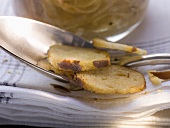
153,59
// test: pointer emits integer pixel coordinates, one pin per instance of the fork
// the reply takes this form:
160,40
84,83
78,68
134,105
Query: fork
152,59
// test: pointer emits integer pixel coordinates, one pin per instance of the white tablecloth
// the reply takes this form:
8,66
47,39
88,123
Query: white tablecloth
29,101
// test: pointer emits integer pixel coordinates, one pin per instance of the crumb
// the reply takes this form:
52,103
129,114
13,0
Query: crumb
146,92
110,23
159,90
9,72
5,60
104,78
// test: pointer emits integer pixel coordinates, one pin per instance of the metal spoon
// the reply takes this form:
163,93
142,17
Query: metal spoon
28,40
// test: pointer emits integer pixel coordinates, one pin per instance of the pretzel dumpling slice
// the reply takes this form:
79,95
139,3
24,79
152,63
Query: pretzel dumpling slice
76,59
112,79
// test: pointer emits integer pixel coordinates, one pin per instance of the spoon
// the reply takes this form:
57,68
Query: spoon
28,40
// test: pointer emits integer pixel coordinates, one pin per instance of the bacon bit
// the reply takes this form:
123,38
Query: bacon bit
134,49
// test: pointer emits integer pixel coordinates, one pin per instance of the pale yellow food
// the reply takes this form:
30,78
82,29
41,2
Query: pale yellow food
157,77
44,64
99,43
155,80
112,79
72,58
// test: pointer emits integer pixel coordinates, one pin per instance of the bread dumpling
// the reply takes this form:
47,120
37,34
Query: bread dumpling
112,79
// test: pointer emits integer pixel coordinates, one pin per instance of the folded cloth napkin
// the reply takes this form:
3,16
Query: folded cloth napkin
30,98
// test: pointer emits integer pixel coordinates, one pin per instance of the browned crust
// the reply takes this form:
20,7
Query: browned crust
73,66
101,63
74,80
143,79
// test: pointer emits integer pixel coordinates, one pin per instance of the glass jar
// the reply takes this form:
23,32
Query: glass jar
86,18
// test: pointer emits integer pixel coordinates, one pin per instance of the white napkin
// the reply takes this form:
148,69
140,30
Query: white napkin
28,97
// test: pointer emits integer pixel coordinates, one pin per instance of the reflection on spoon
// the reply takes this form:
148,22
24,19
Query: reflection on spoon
28,40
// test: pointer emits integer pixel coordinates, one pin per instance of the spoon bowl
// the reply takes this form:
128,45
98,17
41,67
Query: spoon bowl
29,40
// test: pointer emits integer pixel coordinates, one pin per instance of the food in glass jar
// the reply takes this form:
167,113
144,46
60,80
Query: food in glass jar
86,18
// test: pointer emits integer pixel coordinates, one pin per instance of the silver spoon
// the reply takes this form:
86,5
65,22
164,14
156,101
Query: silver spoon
28,40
